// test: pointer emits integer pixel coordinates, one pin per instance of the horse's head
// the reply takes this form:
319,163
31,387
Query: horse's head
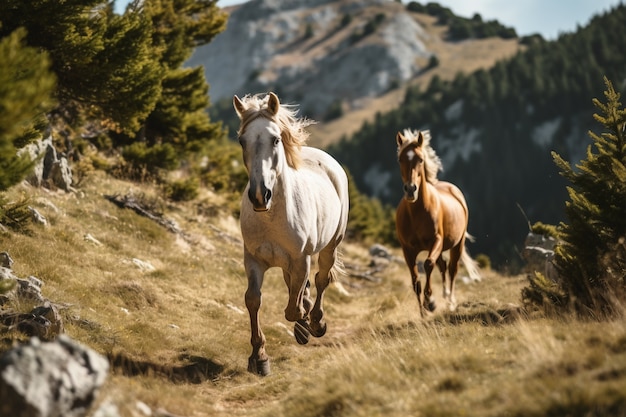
411,159
263,152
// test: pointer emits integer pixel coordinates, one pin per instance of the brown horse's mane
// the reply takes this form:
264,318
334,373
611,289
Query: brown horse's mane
432,163
292,128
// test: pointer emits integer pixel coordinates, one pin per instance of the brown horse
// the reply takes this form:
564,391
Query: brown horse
431,217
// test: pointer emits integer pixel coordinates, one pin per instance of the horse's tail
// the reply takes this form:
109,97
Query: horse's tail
336,271
470,264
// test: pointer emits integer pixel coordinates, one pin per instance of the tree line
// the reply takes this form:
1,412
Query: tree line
91,77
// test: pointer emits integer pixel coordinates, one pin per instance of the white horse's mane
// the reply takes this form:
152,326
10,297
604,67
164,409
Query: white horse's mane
432,162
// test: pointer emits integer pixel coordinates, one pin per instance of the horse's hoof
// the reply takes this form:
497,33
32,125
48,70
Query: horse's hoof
301,331
318,330
259,366
430,306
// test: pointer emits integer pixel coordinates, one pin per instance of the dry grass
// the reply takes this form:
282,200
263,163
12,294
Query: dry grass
178,336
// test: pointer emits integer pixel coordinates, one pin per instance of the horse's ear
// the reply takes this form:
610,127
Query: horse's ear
400,139
238,105
420,139
273,104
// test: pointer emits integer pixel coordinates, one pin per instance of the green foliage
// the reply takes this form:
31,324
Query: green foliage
15,214
369,220
26,85
592,255
346,19
150,158
224,172
103,62
483,261
183,190
433,62
179,118
540,228
544,293
334,111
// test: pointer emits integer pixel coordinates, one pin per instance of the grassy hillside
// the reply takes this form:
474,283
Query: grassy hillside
177,334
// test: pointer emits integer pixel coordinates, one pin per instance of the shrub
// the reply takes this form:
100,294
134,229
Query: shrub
591,254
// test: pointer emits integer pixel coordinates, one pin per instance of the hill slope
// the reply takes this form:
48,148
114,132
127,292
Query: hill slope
168,311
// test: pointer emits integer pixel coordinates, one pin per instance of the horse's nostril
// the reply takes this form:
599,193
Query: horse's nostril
268,195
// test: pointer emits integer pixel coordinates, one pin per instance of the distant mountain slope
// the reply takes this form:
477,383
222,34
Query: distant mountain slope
318,53
494,130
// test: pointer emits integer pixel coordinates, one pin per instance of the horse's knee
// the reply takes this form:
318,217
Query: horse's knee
429,265
253,300
294,314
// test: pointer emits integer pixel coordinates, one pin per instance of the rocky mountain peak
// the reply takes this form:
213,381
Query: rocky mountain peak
314,53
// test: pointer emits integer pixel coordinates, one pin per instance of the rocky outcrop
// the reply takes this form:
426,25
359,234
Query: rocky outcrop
539,255
347,49
51,169
54,379
43,320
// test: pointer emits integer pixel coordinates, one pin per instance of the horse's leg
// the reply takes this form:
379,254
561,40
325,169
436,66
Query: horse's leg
299,303
453,266
429,264
441,263
410,258
326,262
301,328
258,362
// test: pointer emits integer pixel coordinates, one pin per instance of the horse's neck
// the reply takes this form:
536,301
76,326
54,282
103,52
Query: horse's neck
426,196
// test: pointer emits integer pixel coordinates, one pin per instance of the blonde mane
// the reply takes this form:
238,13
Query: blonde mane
432,163
292,128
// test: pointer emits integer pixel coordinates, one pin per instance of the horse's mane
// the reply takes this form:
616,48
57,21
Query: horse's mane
292,128
432,163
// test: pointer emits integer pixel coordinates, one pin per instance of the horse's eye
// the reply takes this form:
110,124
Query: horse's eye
276,140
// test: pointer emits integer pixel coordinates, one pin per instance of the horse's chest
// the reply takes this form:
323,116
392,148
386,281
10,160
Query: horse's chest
274,246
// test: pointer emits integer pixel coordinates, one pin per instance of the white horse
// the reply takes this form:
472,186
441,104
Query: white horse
294,206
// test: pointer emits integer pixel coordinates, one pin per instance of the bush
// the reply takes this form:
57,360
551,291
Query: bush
591,254
183,190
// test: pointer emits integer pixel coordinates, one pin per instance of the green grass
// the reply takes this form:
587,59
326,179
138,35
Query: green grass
178,337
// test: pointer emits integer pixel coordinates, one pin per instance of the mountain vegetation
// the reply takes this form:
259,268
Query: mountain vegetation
494,130
119,80
165,305
591,255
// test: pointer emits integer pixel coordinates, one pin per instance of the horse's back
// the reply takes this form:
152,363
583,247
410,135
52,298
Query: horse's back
322,163
326,167
454,209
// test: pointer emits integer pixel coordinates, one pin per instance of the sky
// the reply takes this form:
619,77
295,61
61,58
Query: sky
547,17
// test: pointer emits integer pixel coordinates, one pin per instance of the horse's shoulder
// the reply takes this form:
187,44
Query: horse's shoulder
448,189
320,162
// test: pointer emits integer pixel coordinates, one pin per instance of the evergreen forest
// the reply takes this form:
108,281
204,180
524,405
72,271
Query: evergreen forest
495,130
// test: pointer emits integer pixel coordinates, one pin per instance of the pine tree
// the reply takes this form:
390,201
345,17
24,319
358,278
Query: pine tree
105,65
592,256
179,124
26,85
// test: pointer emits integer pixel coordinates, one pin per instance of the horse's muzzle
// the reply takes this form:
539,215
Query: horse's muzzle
260,200
410,192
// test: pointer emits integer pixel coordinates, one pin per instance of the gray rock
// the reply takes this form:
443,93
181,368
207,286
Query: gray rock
539,255
55,379
51,169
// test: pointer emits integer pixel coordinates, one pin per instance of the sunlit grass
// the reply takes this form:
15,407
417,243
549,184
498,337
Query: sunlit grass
178,335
